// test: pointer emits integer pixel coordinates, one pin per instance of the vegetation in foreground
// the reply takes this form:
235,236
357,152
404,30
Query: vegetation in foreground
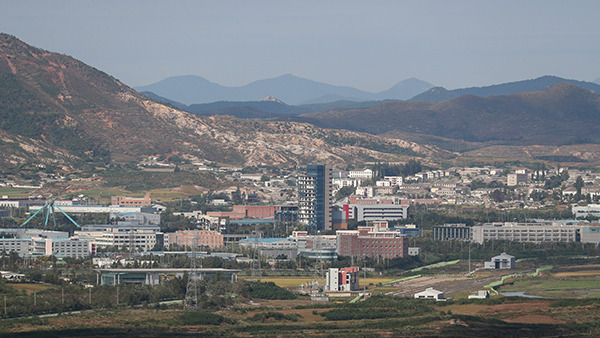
510,317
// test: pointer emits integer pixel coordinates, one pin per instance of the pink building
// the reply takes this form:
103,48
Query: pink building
370,242
207,238
124,201
256,211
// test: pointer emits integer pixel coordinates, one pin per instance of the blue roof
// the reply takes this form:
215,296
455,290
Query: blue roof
252,221
265,240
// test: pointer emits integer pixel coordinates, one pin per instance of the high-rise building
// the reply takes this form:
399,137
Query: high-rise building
314,196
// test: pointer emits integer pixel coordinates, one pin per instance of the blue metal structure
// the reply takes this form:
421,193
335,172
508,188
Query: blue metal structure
48,208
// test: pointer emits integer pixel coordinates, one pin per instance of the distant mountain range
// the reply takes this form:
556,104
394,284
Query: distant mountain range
288,88
262,109
439,94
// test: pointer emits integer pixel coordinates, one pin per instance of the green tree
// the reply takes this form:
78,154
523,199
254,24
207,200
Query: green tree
411,167
578,185
344,192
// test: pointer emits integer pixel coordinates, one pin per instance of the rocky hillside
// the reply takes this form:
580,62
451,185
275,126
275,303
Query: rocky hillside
55,109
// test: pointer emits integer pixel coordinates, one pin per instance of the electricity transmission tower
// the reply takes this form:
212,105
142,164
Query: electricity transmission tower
256,271
191,293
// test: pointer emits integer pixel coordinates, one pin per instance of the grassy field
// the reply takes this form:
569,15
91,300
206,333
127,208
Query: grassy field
15,192
176,193
29,287
555,287
294,282
577,273
103,194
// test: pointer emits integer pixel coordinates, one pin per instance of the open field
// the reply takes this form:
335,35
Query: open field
15,192
555,287
176,193
30,287
295,282
104,194
577,273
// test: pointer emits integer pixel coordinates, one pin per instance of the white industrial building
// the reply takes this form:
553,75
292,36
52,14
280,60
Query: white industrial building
133,237
588,210
137,217
526,232
430,293
96,209
590,234
481,294
364,174
377,212
500,262
34,242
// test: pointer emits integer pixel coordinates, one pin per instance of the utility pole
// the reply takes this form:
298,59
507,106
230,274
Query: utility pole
256,274
469,258
365,274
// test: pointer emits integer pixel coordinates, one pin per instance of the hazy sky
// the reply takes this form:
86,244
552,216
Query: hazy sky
369,45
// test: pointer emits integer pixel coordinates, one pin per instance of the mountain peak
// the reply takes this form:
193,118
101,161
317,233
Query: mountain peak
270,99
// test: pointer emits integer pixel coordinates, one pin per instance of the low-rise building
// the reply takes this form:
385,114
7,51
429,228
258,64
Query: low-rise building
526,232
18,245
96,209
585,211
452,232
124,201
137,217
516,179
31,243
590,234
430,293
343,279
414,251
376,212
282,248
132,237
364,174
194,238
502,261
371,242
481,294
73,248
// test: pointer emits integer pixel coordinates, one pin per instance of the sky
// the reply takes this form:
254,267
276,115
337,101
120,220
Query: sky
368,45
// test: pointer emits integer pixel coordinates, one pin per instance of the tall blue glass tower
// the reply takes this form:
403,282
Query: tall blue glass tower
314,197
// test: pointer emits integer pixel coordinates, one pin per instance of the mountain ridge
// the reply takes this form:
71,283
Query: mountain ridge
293,90
439,94
561,114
